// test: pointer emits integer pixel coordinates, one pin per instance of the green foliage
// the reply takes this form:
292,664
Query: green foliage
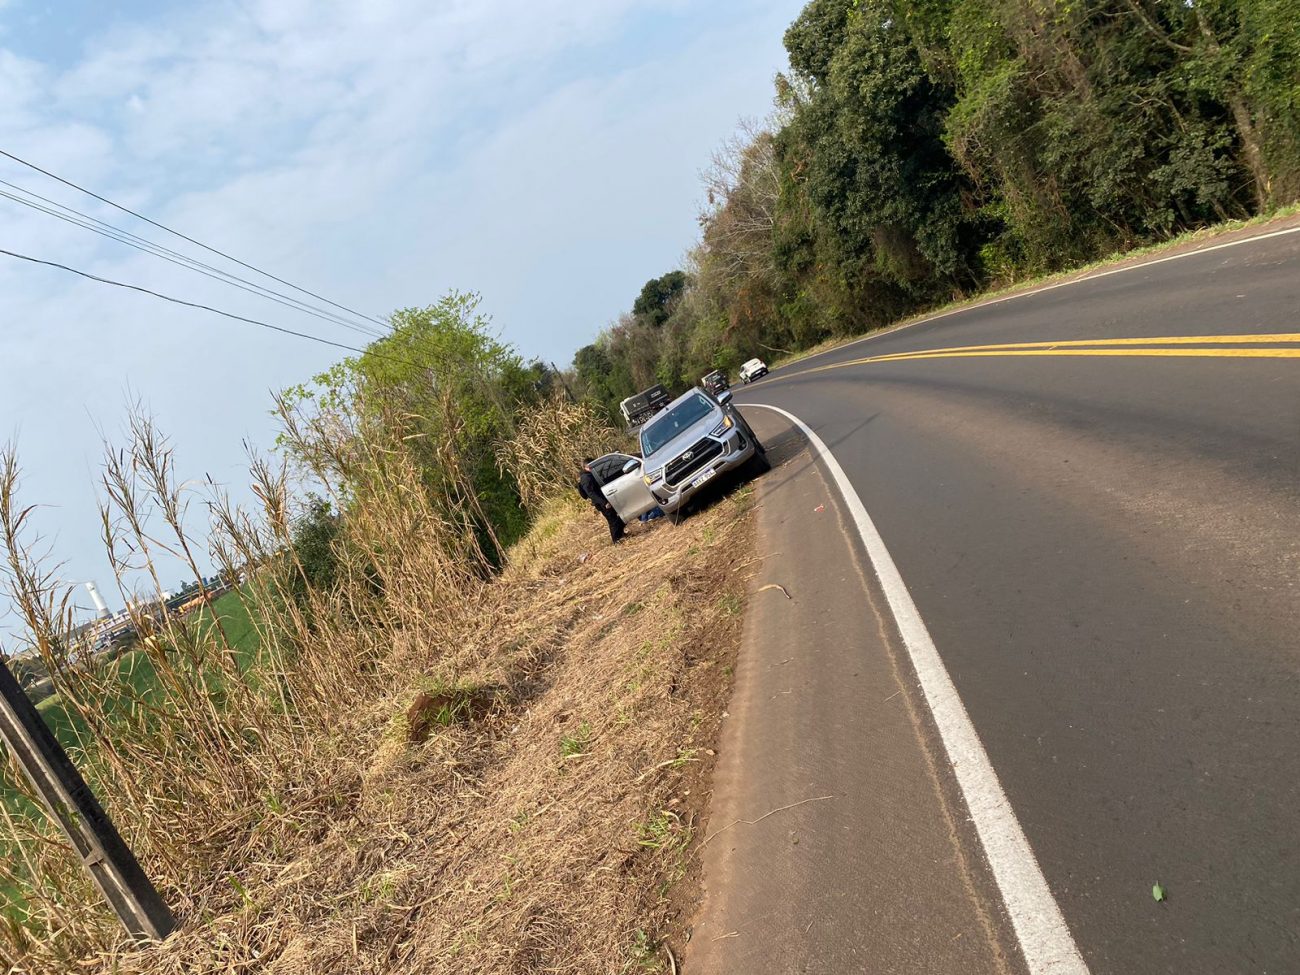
869,144
454,389
925,149
576,744
315,534
655,302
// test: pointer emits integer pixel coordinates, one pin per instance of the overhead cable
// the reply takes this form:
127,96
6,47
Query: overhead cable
87,222
177,233
188,304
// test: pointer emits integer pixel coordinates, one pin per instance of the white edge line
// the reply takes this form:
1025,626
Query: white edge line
1045,940
1040,289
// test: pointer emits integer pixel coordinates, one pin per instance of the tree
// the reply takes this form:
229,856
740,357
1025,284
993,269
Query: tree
655,303
869,137
921,149
315,535
454,388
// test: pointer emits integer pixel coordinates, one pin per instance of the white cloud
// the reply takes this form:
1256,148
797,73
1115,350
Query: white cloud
544,153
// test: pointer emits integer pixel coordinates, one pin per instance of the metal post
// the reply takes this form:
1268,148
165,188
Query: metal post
108,860
567,391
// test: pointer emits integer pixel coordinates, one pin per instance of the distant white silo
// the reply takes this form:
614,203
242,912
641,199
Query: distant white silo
101,607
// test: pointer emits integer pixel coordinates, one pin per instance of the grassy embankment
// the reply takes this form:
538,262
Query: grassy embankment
430,766
529,797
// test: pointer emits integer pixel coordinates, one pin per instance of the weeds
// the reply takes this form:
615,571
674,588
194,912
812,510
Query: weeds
660,830
575,745
266,793
549,445
644,953
731,603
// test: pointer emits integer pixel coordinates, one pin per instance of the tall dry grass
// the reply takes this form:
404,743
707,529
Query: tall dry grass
222,761
549,445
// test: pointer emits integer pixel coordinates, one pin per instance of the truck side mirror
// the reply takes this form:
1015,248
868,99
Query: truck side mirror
631,465
724,397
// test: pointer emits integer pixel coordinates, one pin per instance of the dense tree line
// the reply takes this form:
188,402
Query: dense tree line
922,150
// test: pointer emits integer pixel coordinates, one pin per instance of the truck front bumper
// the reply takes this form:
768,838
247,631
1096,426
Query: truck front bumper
737,449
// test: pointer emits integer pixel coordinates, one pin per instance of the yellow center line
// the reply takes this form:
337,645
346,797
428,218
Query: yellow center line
1201,353
1257,339
1142,347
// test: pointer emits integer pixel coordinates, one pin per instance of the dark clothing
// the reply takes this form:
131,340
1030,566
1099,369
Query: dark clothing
616,526
589,488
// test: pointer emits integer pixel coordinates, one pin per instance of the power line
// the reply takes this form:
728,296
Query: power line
87,222
177,233
226,314
156,247
188,304
231,315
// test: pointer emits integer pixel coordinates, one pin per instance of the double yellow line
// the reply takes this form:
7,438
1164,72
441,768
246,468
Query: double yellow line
1280,345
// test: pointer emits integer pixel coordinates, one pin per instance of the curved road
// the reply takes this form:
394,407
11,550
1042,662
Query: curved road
1103,539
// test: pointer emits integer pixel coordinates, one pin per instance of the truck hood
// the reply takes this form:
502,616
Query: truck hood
685,440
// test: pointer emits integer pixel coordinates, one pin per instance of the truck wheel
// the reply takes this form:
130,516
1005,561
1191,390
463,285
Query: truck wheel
758,464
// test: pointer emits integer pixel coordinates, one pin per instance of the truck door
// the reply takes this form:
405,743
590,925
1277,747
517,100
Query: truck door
625,491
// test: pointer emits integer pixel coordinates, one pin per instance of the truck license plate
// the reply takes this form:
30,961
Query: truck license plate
703,477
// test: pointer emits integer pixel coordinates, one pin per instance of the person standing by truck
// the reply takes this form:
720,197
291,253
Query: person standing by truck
589,488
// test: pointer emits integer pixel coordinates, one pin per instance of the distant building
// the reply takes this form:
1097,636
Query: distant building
101,607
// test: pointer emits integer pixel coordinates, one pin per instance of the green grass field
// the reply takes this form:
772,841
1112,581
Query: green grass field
138,680
135,671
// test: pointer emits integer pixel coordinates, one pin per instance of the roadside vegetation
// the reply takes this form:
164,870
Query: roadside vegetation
922,152
439,726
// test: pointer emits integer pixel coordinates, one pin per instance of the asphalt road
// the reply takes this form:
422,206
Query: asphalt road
1104,543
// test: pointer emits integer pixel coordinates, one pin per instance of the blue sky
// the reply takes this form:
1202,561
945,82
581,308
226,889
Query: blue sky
545,154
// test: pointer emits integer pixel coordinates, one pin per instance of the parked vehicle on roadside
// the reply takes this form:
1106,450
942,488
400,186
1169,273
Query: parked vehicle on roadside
753,369
645,404
693,441
715,382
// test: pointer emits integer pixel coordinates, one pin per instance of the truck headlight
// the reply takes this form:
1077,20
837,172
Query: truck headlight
652,477
726,424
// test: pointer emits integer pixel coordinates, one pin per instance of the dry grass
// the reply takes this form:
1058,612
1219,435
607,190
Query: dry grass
215,764
550,443
544,836
429,769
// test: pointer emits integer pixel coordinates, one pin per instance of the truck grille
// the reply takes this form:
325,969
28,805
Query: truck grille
681,468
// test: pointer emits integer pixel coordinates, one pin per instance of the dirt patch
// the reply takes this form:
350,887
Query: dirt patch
437,709
531,798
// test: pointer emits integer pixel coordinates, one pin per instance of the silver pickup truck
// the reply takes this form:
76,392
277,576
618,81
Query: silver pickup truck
692,441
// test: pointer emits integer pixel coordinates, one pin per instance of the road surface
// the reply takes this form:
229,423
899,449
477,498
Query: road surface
1092,496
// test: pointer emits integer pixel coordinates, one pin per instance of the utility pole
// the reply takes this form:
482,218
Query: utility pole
560,376
108,860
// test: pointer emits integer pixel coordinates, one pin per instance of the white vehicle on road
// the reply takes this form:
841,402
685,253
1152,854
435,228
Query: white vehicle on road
753,369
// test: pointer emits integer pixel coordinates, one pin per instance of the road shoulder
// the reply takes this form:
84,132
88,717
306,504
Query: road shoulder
833,844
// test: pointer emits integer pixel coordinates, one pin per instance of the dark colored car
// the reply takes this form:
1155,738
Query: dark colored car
715,382
641,407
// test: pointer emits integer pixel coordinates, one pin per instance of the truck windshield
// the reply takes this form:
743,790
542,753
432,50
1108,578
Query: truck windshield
672,422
